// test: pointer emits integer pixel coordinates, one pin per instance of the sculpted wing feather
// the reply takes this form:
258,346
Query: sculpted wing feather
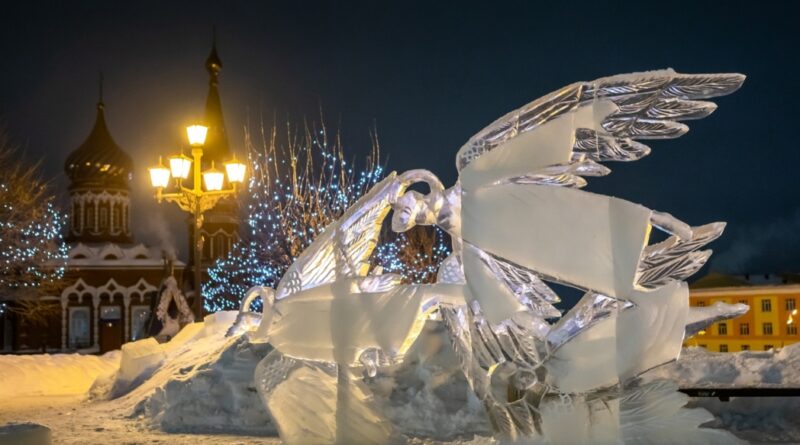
346,245
639,106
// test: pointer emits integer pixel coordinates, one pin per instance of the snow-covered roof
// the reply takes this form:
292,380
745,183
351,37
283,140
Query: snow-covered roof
115,255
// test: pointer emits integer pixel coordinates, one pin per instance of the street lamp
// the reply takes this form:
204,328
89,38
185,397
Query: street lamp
195,200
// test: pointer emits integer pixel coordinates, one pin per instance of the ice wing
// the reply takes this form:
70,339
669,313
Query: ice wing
589,122
345,246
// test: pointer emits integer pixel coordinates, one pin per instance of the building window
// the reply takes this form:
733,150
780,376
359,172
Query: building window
723,348
89,222
722,328
701,303
79,327
744,302
790,304
103,218
744,329
767,347
791,329
745,347
767,328
140,315
766,305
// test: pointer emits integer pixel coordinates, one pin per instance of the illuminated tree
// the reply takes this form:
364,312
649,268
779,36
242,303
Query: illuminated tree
300,182
32,250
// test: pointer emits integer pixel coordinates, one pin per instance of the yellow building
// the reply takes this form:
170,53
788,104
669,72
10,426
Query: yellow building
770,323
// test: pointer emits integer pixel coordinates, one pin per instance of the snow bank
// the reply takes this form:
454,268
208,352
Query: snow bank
216,396
209,388
52,375
698,367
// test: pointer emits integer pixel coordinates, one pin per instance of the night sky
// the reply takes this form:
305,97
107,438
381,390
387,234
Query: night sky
427,76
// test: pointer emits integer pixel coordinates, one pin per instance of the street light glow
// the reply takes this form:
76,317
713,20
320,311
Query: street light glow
180,165
159,175
213,179
235,170
197,135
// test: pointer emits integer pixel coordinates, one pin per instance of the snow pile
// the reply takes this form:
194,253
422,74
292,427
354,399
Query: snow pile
52,375
207,386
216,396
698,367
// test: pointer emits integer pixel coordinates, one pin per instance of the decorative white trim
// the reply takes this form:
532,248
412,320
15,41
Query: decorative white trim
111,288
115,255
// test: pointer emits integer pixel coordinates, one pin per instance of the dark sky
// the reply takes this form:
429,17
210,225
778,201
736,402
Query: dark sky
428,75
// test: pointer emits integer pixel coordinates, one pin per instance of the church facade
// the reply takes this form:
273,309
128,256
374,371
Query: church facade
111,281
110,290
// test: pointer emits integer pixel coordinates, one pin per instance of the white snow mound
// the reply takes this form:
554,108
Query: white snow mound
697,367
52,375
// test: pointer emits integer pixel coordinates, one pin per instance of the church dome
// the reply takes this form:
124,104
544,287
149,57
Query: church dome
99,161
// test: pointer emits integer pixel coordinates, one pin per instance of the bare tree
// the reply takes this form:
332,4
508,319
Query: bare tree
32,251
302,181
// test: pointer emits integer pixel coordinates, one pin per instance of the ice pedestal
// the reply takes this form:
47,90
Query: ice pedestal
315,402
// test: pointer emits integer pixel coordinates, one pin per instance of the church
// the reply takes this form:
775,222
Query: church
111,284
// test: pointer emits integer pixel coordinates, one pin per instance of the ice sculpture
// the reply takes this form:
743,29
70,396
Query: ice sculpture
330,316
518,219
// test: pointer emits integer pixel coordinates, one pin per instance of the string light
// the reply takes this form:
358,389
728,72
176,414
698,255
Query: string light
32,250
289,204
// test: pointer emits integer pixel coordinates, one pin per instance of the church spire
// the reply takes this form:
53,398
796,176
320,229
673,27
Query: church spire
216,147
100,89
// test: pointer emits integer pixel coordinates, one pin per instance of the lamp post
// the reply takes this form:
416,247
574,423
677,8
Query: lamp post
195,199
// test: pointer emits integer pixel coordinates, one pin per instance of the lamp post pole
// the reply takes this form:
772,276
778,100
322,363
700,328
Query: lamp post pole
195,200
197,304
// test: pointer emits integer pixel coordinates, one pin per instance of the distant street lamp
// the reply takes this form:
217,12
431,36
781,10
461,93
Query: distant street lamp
195,200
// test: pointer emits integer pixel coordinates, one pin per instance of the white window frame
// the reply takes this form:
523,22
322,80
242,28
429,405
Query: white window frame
72,340
135,309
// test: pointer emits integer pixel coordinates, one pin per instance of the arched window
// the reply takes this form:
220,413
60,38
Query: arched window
116,210
90,216
125,219
103,217
79,327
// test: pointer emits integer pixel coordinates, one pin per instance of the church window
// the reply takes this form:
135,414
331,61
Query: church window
103,218
79,327
140,315
90,217
115,214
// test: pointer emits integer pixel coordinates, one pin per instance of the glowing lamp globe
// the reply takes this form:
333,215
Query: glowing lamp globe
213,179
159,175
236,171
180,166
197,135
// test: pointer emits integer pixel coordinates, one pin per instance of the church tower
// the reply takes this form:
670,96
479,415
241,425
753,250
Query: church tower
99,172
220,224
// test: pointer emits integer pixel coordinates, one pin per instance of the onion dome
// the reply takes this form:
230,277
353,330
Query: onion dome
99,161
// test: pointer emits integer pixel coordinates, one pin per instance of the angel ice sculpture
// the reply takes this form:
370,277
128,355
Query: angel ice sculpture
517,218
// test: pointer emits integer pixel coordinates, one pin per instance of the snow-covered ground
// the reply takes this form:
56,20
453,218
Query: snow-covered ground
698,367
197,389
52,375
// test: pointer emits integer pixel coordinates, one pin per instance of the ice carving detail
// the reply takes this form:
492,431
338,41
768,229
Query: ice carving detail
518,220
